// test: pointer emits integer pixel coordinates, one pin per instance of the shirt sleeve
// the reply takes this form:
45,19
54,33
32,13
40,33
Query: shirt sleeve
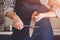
45,3
8,6
57,11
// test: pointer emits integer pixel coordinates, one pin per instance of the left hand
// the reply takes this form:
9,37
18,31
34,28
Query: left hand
35,13
39,17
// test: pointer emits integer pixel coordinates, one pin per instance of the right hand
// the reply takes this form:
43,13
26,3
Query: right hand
17,23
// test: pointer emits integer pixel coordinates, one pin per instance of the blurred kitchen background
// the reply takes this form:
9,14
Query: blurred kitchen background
6,25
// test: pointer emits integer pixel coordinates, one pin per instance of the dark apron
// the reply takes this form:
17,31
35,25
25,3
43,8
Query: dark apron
24,9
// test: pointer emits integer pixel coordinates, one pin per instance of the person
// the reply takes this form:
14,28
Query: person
21,14
54,10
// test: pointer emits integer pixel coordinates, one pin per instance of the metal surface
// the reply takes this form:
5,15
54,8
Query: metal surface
31,29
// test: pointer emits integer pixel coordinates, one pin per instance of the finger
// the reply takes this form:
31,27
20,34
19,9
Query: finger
18,26
37,18
21,26
15,26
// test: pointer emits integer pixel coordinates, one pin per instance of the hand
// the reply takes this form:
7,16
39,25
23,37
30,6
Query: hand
39,17
35,13
17,23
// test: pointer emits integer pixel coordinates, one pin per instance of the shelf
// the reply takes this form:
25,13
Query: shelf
6,33
56,31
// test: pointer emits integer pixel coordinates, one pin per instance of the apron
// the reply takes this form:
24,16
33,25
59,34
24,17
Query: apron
24,9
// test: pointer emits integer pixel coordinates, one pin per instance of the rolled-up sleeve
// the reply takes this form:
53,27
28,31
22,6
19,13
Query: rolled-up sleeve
57,11
8,6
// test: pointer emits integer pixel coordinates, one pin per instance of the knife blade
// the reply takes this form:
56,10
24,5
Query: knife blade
31,29
32,23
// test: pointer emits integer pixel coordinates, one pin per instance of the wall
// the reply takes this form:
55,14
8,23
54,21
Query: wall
55,22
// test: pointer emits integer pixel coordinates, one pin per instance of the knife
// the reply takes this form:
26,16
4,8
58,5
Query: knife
32,23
